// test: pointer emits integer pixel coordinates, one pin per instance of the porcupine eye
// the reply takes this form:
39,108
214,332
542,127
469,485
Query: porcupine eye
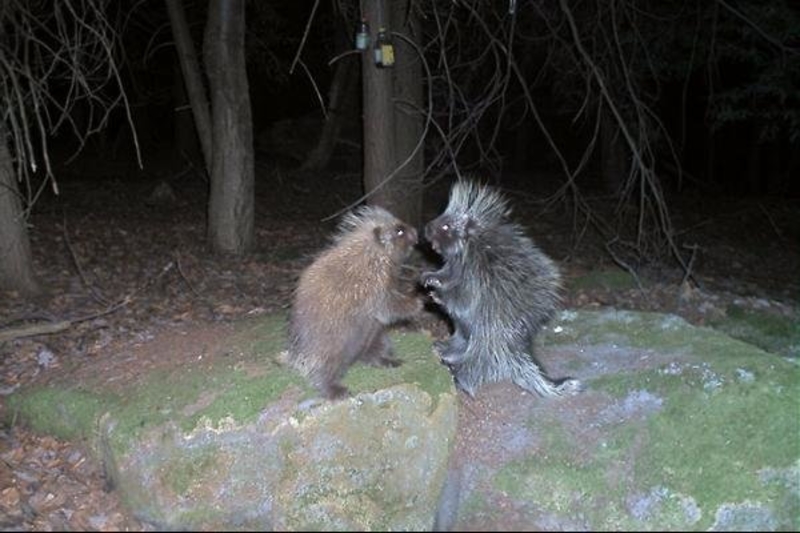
403,235
442,231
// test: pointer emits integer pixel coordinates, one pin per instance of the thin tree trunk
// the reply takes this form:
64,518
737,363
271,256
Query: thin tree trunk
192,76
339,96
185,139
230,206
16,259
379,147
405,191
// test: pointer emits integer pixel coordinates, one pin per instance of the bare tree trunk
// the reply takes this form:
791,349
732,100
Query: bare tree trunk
613,151
339,97
230,206
191,75
406,189
16,259
379,146
185,139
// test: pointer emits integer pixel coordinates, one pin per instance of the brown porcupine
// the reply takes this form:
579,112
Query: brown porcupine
498,289
347,297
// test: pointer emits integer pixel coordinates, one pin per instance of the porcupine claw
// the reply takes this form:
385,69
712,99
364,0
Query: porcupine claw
431,281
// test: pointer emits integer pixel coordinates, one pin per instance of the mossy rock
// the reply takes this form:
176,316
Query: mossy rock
226,437
680,428
769,331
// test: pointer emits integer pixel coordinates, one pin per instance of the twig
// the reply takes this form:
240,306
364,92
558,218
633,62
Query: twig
55,327
688,274
100,299
625,266
771,221
316,89
305,36
184,278
770,39
34,329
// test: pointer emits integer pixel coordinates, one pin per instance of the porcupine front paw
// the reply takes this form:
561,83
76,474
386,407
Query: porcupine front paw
430,280
433,285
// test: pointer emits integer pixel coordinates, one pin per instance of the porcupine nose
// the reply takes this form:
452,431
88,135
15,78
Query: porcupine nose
429,232
413,235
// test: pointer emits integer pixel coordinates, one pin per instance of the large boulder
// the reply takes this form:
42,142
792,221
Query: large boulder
680,428
229,438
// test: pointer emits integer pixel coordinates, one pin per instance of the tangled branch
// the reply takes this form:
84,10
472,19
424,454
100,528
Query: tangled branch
58,62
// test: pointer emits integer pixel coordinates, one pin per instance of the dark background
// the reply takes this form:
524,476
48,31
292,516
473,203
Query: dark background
732,116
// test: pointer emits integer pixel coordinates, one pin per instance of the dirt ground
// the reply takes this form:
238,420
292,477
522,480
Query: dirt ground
121,265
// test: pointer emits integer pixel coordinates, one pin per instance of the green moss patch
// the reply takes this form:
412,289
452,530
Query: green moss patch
771,332
236,380
420,367
716,426
645,331
64,413
611,278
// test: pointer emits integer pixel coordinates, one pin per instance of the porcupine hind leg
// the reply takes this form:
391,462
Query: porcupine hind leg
327,379
453,350
379,351
470,375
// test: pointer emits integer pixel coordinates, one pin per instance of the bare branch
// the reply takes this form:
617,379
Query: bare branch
305,36
767,37
56,57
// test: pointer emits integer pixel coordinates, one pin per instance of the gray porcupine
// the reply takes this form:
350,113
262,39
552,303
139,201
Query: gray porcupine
498,289
347,296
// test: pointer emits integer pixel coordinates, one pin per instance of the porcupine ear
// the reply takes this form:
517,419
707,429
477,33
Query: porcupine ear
465,225
380,236
469,225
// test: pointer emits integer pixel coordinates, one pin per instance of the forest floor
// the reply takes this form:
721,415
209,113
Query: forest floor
121,264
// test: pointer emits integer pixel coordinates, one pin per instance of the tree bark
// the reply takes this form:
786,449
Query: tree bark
16,259
405,191
230,207
379,146
192,76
